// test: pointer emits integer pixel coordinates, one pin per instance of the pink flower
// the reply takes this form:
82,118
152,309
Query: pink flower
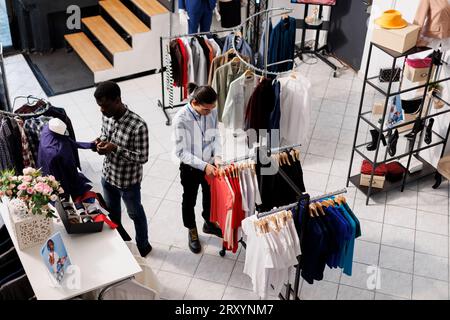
9,193
51,178
22,187
47,190
27,178
39,187
11,186
30,190
1,193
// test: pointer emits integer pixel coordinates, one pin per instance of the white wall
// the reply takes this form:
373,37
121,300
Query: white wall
408,9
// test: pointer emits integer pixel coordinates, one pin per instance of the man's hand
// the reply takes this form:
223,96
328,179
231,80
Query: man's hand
104,147
218,162
96,142
210,170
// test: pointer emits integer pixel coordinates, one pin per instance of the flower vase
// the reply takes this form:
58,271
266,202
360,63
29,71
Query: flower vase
30,229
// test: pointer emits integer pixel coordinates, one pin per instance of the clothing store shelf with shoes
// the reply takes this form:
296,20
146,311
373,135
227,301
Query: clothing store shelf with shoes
400,128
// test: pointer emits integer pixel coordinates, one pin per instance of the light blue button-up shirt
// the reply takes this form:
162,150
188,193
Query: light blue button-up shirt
197,137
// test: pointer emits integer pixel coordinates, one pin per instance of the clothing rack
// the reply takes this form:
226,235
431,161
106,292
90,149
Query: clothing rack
324,26
289,289
32,114
162,103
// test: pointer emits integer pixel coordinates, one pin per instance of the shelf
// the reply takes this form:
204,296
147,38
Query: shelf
427,170
301,24
372,120
395,54
402,148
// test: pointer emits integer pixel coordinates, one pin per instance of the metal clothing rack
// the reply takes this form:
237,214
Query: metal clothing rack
264,72
4,84
32,114
324,26
289,289
162,103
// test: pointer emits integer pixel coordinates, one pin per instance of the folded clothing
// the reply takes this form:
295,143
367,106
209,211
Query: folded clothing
395,171
366,168
419,63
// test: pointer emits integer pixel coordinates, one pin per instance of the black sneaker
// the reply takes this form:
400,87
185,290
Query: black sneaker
211,228
145,251
194,242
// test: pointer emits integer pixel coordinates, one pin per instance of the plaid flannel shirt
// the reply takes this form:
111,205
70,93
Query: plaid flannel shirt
124,167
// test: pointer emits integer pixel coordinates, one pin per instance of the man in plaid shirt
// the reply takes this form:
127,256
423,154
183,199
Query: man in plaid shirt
124,142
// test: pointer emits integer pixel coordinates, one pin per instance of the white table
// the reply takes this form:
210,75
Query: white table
103,259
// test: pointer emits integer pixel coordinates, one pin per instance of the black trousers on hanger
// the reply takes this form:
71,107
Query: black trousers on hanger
191,179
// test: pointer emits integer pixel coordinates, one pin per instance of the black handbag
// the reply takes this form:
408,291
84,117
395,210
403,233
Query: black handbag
385,75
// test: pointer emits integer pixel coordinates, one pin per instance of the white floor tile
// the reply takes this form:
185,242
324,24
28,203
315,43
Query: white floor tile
233,293
370,212
155,186
431,266
173,286
239,279
337,95
350,293
326,120
382,296
395,283
432,203
204,290
181,261
435,223
428,289
333,107
320,290
400,216
158,255
407,198
215,245
215,268
162,169
398,237
315,181
322,148
366,252
330,134
360,277
396,259
430,243
332,275
370,230
317,164
340,168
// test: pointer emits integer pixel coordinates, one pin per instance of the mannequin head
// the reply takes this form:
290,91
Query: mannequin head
108,96
57,126
203,99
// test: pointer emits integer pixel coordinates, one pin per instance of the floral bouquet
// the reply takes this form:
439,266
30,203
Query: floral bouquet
35,190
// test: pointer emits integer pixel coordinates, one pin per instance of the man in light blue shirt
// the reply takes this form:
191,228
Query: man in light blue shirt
198,146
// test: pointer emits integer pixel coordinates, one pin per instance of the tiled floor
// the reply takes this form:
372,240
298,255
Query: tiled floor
405,235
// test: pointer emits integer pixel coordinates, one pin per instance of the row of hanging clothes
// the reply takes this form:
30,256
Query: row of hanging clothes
307,234
27,141
242,188
14,283
255,102
199,58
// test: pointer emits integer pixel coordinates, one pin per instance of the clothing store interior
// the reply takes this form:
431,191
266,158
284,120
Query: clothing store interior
224,150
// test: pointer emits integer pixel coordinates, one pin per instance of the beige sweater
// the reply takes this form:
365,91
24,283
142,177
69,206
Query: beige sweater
434,18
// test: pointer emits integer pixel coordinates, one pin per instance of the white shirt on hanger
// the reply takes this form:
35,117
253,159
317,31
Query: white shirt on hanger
190,63
295,106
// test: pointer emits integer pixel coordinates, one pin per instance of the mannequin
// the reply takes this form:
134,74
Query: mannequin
56,156
198,14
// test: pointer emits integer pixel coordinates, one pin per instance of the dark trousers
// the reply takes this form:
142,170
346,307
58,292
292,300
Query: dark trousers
132,198
191,179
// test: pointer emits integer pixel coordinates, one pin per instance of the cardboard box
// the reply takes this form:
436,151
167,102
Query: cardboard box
400,40
378,108
416,74
377,182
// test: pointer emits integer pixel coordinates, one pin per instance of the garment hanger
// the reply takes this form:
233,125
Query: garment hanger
248,74
319,208
313,210
286,156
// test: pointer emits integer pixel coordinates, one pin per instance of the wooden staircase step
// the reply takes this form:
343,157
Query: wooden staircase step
124,17
150,7
106,34
88,52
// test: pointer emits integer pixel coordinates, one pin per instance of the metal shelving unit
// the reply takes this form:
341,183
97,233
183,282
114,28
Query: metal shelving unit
412,147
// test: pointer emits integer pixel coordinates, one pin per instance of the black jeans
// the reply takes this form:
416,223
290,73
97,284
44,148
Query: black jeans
191,179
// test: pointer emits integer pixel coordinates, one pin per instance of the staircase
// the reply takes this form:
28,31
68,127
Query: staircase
123,40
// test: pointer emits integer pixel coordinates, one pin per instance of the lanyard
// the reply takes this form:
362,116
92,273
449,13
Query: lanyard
199,125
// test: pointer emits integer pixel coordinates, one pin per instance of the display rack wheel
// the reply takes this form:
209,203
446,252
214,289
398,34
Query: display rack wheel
335,74
222,253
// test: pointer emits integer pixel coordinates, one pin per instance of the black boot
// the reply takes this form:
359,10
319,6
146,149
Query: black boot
194,242
392,143
429,131
373,144
211,228
418,126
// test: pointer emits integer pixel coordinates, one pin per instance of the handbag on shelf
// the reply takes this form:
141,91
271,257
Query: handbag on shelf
385,74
